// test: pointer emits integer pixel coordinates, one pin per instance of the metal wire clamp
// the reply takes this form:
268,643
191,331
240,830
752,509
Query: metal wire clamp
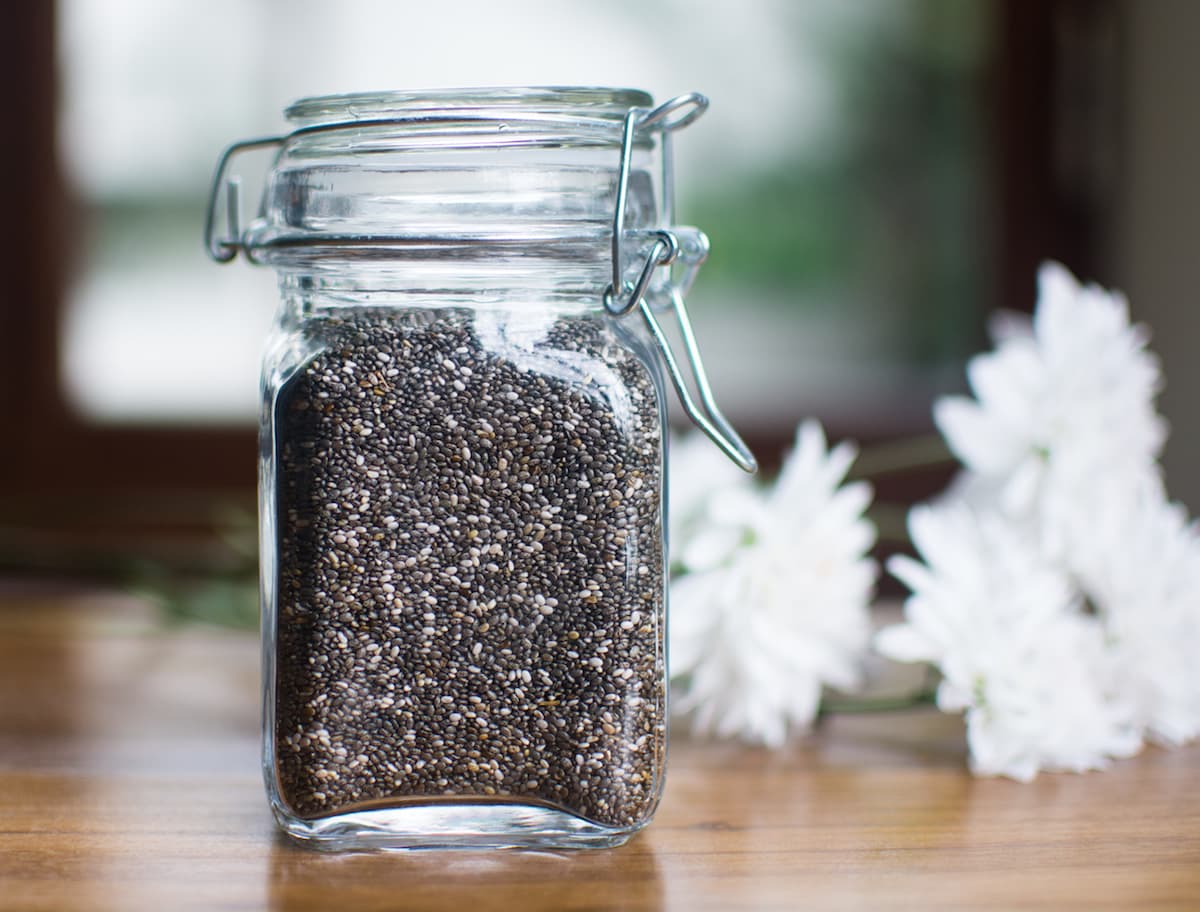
670,246
621,297
226,249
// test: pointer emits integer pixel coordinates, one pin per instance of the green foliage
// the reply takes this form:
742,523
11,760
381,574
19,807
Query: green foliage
223,602
888,218
784,228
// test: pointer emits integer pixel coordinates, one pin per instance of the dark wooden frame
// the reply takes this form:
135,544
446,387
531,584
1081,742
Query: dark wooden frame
55,468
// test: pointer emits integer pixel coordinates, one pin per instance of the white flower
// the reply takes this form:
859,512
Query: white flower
756,637
1060,402
1015,652
706,492
1060,594
1141,570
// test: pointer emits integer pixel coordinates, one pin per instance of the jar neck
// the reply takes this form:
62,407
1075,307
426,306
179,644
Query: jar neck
459,189
442,270
316,292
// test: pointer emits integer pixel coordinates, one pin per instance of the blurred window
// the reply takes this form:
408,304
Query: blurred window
875,176
841,175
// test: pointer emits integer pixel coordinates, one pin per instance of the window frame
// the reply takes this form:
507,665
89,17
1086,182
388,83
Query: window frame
53,455
54,451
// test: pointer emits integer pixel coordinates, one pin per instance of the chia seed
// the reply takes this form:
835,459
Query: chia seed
470,568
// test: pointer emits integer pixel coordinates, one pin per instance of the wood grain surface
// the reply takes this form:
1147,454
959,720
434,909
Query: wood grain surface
129,780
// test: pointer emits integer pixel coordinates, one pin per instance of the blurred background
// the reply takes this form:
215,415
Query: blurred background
877,176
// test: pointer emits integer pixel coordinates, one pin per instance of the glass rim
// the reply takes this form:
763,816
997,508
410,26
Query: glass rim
590,102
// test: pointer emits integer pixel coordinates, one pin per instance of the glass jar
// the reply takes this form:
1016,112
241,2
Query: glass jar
463,463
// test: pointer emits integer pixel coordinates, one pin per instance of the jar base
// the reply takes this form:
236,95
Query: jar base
453,826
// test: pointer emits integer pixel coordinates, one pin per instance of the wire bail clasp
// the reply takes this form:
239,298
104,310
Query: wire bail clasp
688,246
226,248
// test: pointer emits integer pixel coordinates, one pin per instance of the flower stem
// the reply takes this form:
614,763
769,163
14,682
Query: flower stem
904,455
877,704
891,522
926,696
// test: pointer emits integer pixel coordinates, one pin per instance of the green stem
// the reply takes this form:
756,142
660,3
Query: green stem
926,696
905,455
878,704
891,522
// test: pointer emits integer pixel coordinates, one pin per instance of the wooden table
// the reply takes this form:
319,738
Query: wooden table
129,780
